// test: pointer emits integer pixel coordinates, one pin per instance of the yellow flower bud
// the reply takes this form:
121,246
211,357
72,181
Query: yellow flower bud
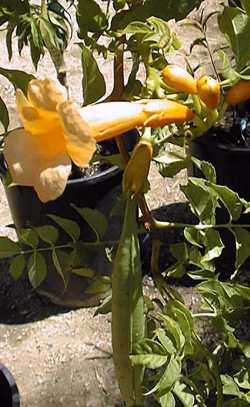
238,93
137,169
179,79
209,91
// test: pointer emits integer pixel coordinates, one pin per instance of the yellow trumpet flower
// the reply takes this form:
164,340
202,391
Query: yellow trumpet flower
55,133
111,119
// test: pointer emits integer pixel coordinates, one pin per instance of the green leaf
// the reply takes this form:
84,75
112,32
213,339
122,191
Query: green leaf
227,70
29,237
171,162
235,25
230,199
176,270
100,285
206,168
37,269
193,236
151,361
179,251
242,378
165,341
93,82
69,226
4,115
149,346
165,10
242,244
170,376
186,329
213,245
245,347
105,306
167,400
96,220
229,386
201,199
62,263
184,394
90,18
119,4
47,233
236,403
8,248
19,79
172,328
35,54
246,5
83,272
17,267
10,29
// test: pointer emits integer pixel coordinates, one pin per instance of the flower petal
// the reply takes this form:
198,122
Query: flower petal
112,119
33,119
46,94
52,178
21,152
29,165
79,137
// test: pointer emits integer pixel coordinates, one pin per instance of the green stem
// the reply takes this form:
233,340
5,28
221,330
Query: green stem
167,225
197,104
64,246
43,7
204,315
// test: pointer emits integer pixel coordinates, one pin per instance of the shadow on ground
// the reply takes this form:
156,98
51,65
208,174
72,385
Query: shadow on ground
20,304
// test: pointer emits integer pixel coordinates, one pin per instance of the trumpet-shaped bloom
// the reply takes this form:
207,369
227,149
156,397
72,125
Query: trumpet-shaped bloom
54,133
111,119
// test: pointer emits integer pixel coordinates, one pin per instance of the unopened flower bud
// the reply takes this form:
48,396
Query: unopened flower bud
137,169
209,91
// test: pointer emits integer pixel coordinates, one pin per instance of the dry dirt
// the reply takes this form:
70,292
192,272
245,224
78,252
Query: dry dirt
62,357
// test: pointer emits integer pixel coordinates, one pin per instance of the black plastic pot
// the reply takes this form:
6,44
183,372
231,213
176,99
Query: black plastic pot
9,395
98,191
232,165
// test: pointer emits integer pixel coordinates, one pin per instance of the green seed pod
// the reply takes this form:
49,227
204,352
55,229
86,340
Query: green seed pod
128,320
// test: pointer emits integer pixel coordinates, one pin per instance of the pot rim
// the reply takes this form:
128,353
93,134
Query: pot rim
96,178
222,146
8,377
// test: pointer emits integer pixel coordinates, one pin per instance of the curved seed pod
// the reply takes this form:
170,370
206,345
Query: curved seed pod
240,92
179,79
128,321
136,171
208,90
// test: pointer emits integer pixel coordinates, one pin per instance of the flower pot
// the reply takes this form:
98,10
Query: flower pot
98,191
9,395
232,164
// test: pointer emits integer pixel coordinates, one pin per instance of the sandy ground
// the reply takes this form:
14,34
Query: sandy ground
64,358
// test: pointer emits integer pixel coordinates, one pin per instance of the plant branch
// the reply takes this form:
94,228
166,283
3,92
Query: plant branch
167,225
